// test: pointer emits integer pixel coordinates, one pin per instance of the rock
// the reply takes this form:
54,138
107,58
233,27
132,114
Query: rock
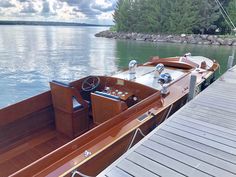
176,41
192,42
190,37
228,41
183,38
234,43
215,43
140,39
198,39
206,43
210,38
221,41
204,36
161,40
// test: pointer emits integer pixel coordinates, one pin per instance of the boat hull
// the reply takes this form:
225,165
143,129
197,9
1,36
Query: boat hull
54,154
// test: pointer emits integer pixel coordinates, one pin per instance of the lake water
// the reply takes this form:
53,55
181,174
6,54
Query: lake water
31,56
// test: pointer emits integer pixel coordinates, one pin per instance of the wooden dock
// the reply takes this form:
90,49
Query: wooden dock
198,140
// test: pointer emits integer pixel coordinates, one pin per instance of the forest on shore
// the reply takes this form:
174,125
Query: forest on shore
175,16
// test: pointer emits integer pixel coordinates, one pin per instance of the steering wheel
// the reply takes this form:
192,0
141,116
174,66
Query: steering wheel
90,83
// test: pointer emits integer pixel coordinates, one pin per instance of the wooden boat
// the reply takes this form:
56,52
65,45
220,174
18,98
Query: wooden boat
83,126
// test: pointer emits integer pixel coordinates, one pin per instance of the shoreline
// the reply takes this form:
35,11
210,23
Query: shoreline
199,39
48,23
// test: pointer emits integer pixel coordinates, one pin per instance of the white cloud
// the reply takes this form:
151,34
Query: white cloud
85,11
66,12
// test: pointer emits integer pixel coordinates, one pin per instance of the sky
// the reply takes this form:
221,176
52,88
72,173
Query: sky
81,11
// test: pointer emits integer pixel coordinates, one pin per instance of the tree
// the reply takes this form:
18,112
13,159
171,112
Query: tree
172,16
121,15
208,13
182,16
232,11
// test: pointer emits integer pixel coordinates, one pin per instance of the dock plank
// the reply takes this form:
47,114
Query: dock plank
187,159
198,140
118,173
202,140
211,160
204,127
204,148
134,169
170,162
203,133
152,165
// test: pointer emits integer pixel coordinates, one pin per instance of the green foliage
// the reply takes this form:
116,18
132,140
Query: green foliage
172,16
113,28
232,10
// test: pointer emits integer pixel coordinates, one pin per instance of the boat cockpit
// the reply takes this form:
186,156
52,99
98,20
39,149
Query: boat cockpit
90,101
93,100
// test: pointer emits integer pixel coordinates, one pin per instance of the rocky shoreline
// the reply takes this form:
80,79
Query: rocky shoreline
183,38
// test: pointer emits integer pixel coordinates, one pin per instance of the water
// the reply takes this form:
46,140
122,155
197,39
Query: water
31,56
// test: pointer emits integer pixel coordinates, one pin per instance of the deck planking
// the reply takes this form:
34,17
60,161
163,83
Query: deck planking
31,149
198,140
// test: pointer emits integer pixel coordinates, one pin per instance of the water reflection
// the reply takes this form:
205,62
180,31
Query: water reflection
142,51
31,56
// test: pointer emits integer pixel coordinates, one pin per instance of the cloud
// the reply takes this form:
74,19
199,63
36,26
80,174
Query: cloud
91,8
29,7
6,4
85,11
103,5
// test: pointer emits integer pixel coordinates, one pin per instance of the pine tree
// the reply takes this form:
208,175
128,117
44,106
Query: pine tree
231,9
172,16
182,16
121,15
208,13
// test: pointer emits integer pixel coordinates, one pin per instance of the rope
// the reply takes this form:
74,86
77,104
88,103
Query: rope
219,70
135,134
76,172
140,131
167,115
225,14
228,23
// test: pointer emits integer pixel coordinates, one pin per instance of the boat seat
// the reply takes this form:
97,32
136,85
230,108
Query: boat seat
71,111
107,95
76,104
105,106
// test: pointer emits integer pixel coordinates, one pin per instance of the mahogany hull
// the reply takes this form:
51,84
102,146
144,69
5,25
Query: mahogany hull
31,145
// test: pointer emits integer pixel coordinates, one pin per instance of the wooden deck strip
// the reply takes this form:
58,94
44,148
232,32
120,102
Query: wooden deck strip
29,151
134,169
211,160
172,163
118,173
186,159
223,130
202,127
203,133
198,146
198,140
152,165
219,113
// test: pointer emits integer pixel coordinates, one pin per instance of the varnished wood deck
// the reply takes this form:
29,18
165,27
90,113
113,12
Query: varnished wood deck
198,140
16,155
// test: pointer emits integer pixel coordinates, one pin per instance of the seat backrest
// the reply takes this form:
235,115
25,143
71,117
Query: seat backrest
105,107
107,95
65,97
